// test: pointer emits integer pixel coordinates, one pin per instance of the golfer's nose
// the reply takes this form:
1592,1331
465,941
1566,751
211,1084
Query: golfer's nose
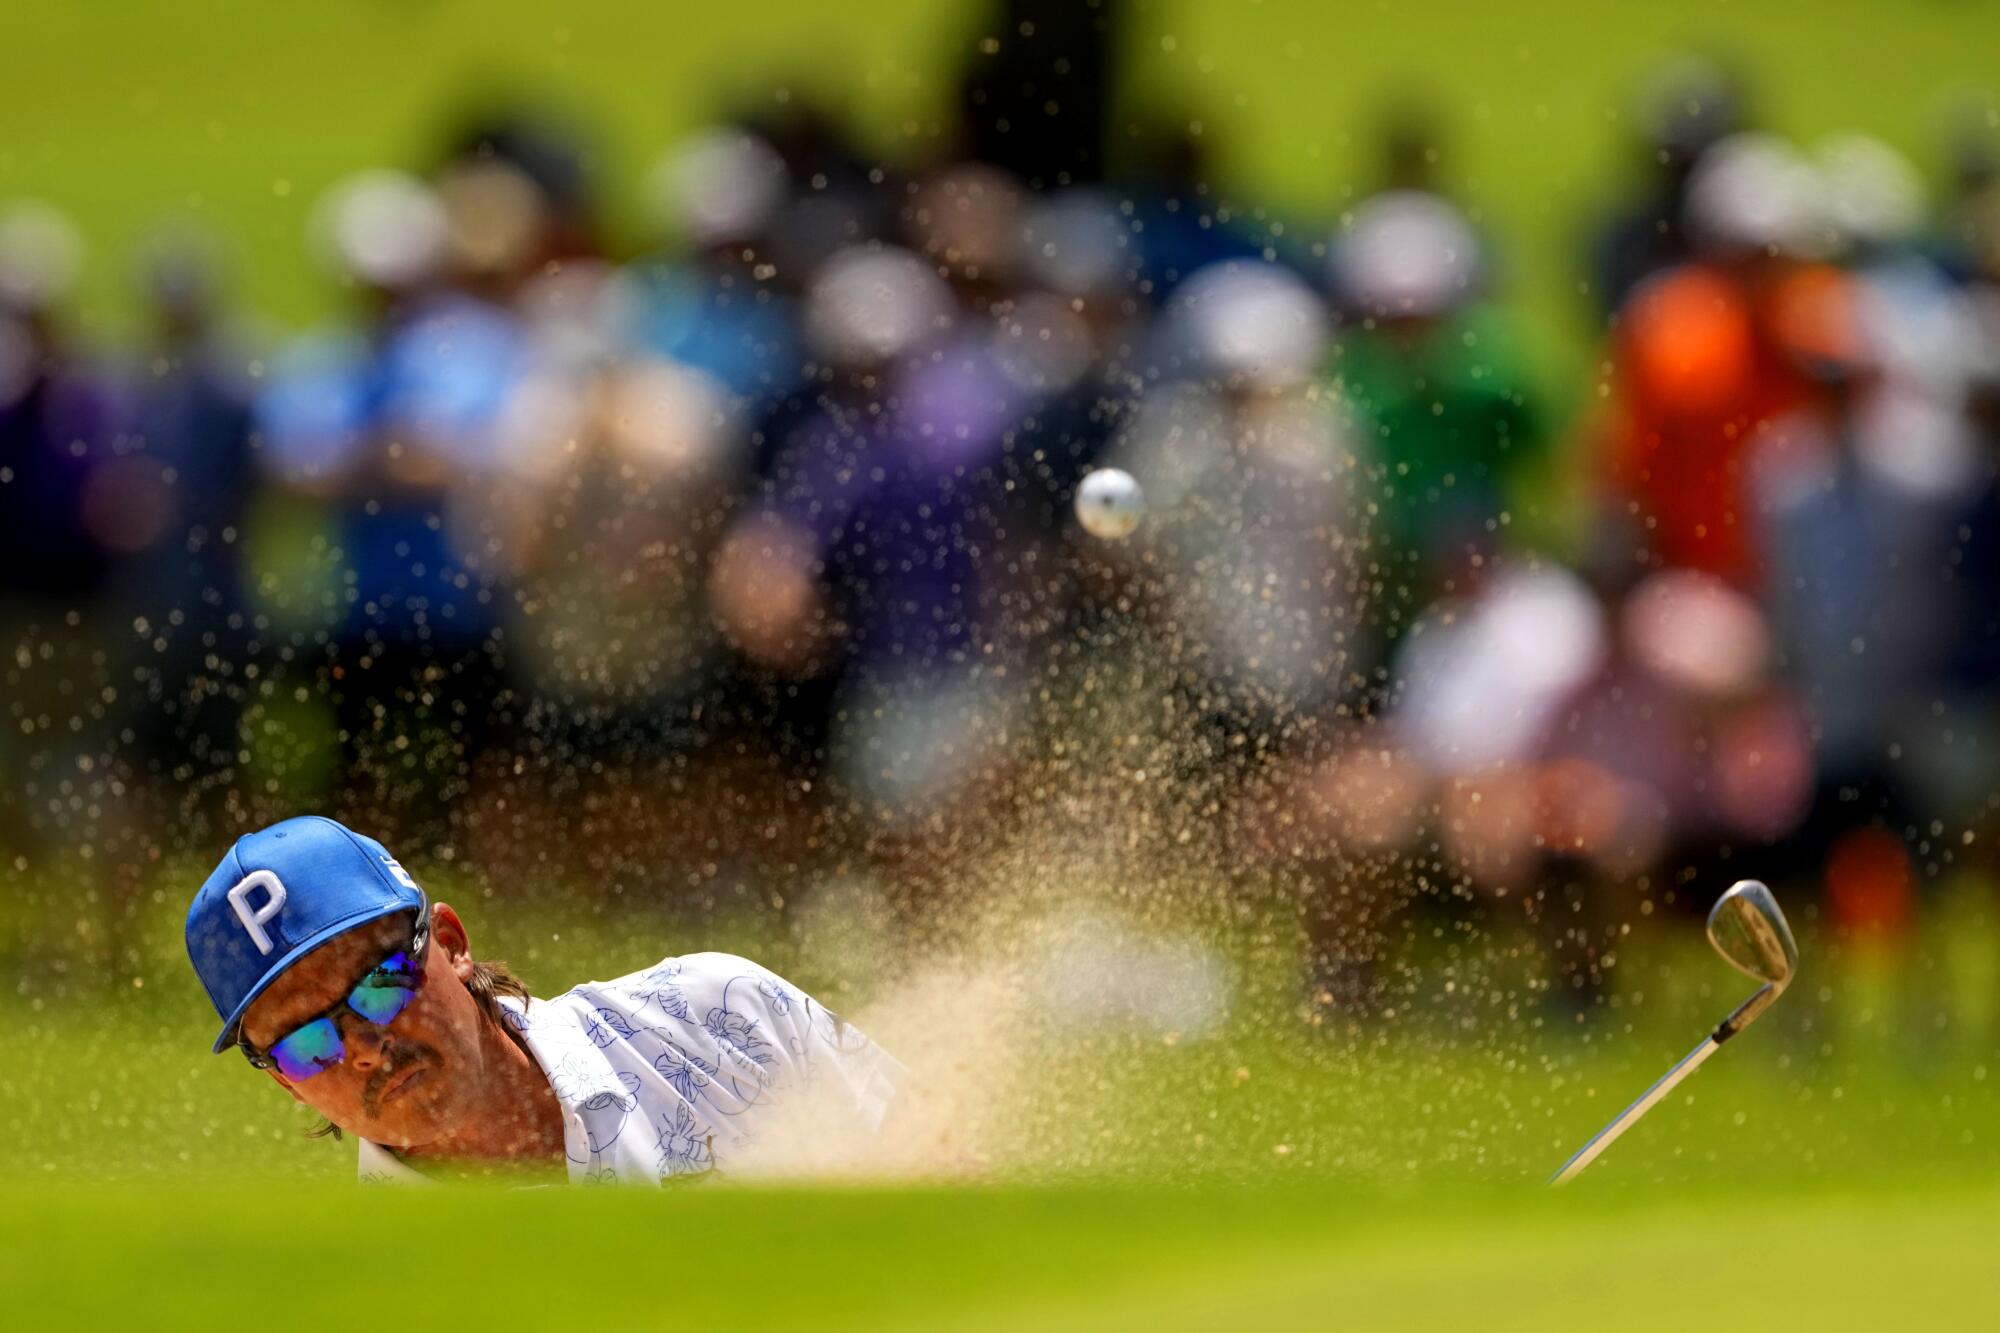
364,1043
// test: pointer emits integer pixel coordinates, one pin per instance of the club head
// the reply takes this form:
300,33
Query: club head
1748,928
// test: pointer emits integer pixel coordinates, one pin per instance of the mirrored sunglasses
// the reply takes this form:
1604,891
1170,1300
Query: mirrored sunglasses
379,997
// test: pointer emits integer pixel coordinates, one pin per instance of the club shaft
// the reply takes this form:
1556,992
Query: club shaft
1605,1137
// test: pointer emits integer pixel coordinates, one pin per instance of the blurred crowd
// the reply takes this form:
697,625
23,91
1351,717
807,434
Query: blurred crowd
763,533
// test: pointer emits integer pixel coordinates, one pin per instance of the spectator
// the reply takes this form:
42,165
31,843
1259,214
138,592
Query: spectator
186,494
1443,415
391,424
1710,364
63,520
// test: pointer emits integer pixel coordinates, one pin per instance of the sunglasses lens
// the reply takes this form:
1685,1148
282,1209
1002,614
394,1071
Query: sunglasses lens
386,991
314,1047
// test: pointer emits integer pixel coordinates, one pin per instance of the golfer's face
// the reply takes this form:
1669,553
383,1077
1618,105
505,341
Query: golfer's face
398,1084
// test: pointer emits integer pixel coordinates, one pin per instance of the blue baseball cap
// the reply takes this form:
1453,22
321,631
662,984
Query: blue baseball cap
279,894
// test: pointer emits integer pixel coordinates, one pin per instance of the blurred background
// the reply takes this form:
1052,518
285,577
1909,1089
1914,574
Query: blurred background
625,461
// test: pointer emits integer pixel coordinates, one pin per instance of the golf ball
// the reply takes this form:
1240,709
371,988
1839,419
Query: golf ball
1109,504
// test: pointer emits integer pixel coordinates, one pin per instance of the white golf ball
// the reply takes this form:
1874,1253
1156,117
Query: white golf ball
1109,504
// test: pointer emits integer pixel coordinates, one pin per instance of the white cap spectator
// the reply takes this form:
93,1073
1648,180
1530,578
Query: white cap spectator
1482,684
1755,194
1254,324
386,229
1406,254
870,304
718,186
41,254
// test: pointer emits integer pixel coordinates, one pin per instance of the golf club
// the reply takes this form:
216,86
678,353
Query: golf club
1748,929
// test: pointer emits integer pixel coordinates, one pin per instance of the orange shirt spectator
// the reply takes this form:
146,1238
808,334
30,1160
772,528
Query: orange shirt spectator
1709,365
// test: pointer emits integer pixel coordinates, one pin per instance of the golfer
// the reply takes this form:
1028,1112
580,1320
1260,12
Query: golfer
334,973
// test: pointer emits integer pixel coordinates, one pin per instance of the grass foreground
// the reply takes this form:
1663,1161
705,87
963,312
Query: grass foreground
1083,1257
1834,1168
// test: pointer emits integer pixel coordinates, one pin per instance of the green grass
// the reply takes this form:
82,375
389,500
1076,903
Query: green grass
992,1258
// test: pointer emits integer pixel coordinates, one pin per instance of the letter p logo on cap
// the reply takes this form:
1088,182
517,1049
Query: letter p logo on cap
274,902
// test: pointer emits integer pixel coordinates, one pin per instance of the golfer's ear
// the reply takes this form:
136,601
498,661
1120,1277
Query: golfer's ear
448,935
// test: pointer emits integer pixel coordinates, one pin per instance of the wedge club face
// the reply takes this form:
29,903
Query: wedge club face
1748,928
